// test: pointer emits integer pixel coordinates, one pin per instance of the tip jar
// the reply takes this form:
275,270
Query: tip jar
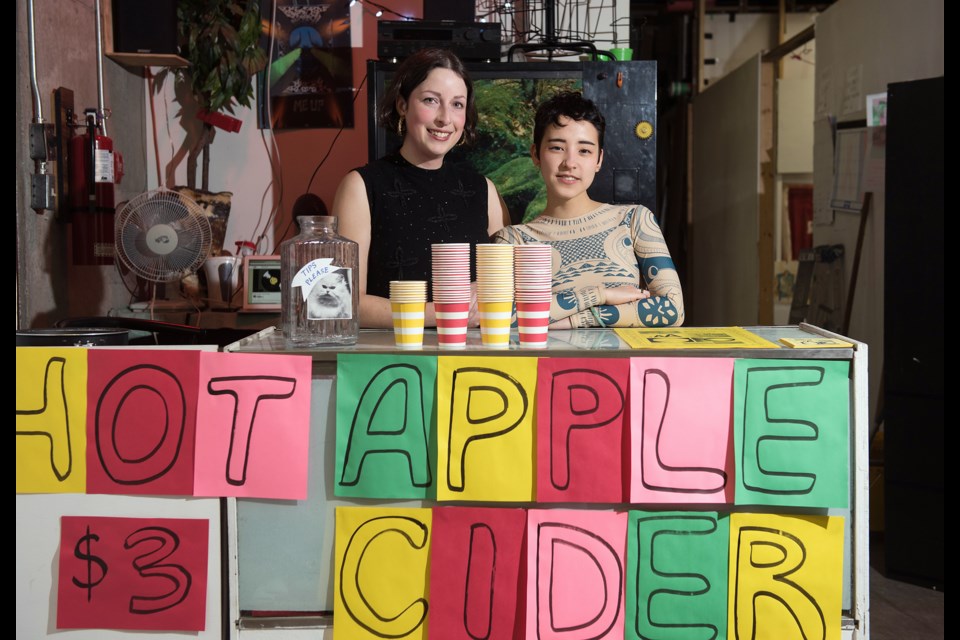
319,299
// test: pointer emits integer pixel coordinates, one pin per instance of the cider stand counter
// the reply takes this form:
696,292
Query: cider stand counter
283,554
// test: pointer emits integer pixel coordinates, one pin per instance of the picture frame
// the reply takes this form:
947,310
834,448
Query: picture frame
261,277
310,75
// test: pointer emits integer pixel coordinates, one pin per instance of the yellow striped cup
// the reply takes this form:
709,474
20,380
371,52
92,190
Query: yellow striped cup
408,324
495,323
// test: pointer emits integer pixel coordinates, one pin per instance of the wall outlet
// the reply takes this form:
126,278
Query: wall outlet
41,141
42,196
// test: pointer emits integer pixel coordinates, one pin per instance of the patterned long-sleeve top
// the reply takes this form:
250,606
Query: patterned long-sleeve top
611,246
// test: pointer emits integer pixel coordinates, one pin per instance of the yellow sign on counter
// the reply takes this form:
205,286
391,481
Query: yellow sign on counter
816,342
694,338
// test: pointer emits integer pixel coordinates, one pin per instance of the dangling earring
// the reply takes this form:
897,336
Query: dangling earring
462,141
400,126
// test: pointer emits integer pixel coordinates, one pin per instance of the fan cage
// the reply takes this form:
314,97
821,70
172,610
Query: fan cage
150,224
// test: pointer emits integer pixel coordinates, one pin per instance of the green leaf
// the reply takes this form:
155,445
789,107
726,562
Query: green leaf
229,34
220,39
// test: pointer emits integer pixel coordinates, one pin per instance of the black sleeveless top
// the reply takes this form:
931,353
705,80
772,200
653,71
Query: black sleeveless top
412,208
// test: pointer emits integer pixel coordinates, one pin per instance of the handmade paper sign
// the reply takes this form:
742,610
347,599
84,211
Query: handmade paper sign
581,413
785,576
575,573
381,580
676,574
386,426
680,438
816,342
792,432
485,428
694,338
141,420
475,562
132,573
51,388
253,421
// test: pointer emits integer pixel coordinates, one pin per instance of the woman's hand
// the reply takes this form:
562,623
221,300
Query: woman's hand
473,319
624,294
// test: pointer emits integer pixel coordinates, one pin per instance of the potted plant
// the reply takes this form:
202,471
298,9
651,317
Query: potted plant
221,41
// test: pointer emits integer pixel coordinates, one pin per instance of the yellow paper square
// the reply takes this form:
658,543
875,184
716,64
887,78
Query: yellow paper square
51,420
485,428
816,342
786,576
381,582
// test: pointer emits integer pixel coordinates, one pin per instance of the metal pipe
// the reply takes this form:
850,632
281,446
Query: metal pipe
32,46
550,19
101,115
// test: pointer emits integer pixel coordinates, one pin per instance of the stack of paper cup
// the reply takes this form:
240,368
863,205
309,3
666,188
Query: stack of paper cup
407,301
495,293
533,276
451,292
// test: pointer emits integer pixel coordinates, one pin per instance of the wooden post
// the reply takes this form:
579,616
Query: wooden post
864,211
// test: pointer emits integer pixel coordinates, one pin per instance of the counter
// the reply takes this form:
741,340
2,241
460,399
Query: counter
300,578
604,343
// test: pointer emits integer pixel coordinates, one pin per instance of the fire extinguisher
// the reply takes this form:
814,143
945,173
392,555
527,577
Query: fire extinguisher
94,170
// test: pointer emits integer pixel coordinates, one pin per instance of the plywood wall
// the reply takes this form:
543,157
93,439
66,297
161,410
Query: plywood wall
725,228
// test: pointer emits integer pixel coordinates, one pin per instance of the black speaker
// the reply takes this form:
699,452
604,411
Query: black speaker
626,94
914,268
459,10
145,26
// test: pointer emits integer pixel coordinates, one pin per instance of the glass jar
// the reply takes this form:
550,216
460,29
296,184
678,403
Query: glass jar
319,299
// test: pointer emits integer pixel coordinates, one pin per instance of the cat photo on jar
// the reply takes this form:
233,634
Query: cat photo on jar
330,297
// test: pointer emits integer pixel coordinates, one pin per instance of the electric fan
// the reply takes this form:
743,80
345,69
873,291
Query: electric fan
162,236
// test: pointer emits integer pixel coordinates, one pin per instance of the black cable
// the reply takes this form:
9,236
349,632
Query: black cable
330,149
277,179
275,172
286,230
283,236
324,159
389,10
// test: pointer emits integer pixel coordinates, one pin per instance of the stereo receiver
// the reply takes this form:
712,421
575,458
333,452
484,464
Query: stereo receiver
471,41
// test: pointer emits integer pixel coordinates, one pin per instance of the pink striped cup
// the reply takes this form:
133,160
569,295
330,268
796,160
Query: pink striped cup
533,321
452,324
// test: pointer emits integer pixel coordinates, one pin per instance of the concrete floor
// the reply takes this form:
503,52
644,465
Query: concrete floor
901,610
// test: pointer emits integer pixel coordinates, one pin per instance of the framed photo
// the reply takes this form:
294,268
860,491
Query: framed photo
261,277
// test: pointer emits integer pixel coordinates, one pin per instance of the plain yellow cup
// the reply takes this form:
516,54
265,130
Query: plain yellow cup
408,324
495,320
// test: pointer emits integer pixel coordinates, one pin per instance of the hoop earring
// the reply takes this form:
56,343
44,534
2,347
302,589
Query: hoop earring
400,127
462,141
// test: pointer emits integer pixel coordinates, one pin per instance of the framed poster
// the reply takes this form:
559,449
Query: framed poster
308,82
261,275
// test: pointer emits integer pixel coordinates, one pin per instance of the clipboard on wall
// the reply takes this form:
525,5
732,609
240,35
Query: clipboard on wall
849,160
